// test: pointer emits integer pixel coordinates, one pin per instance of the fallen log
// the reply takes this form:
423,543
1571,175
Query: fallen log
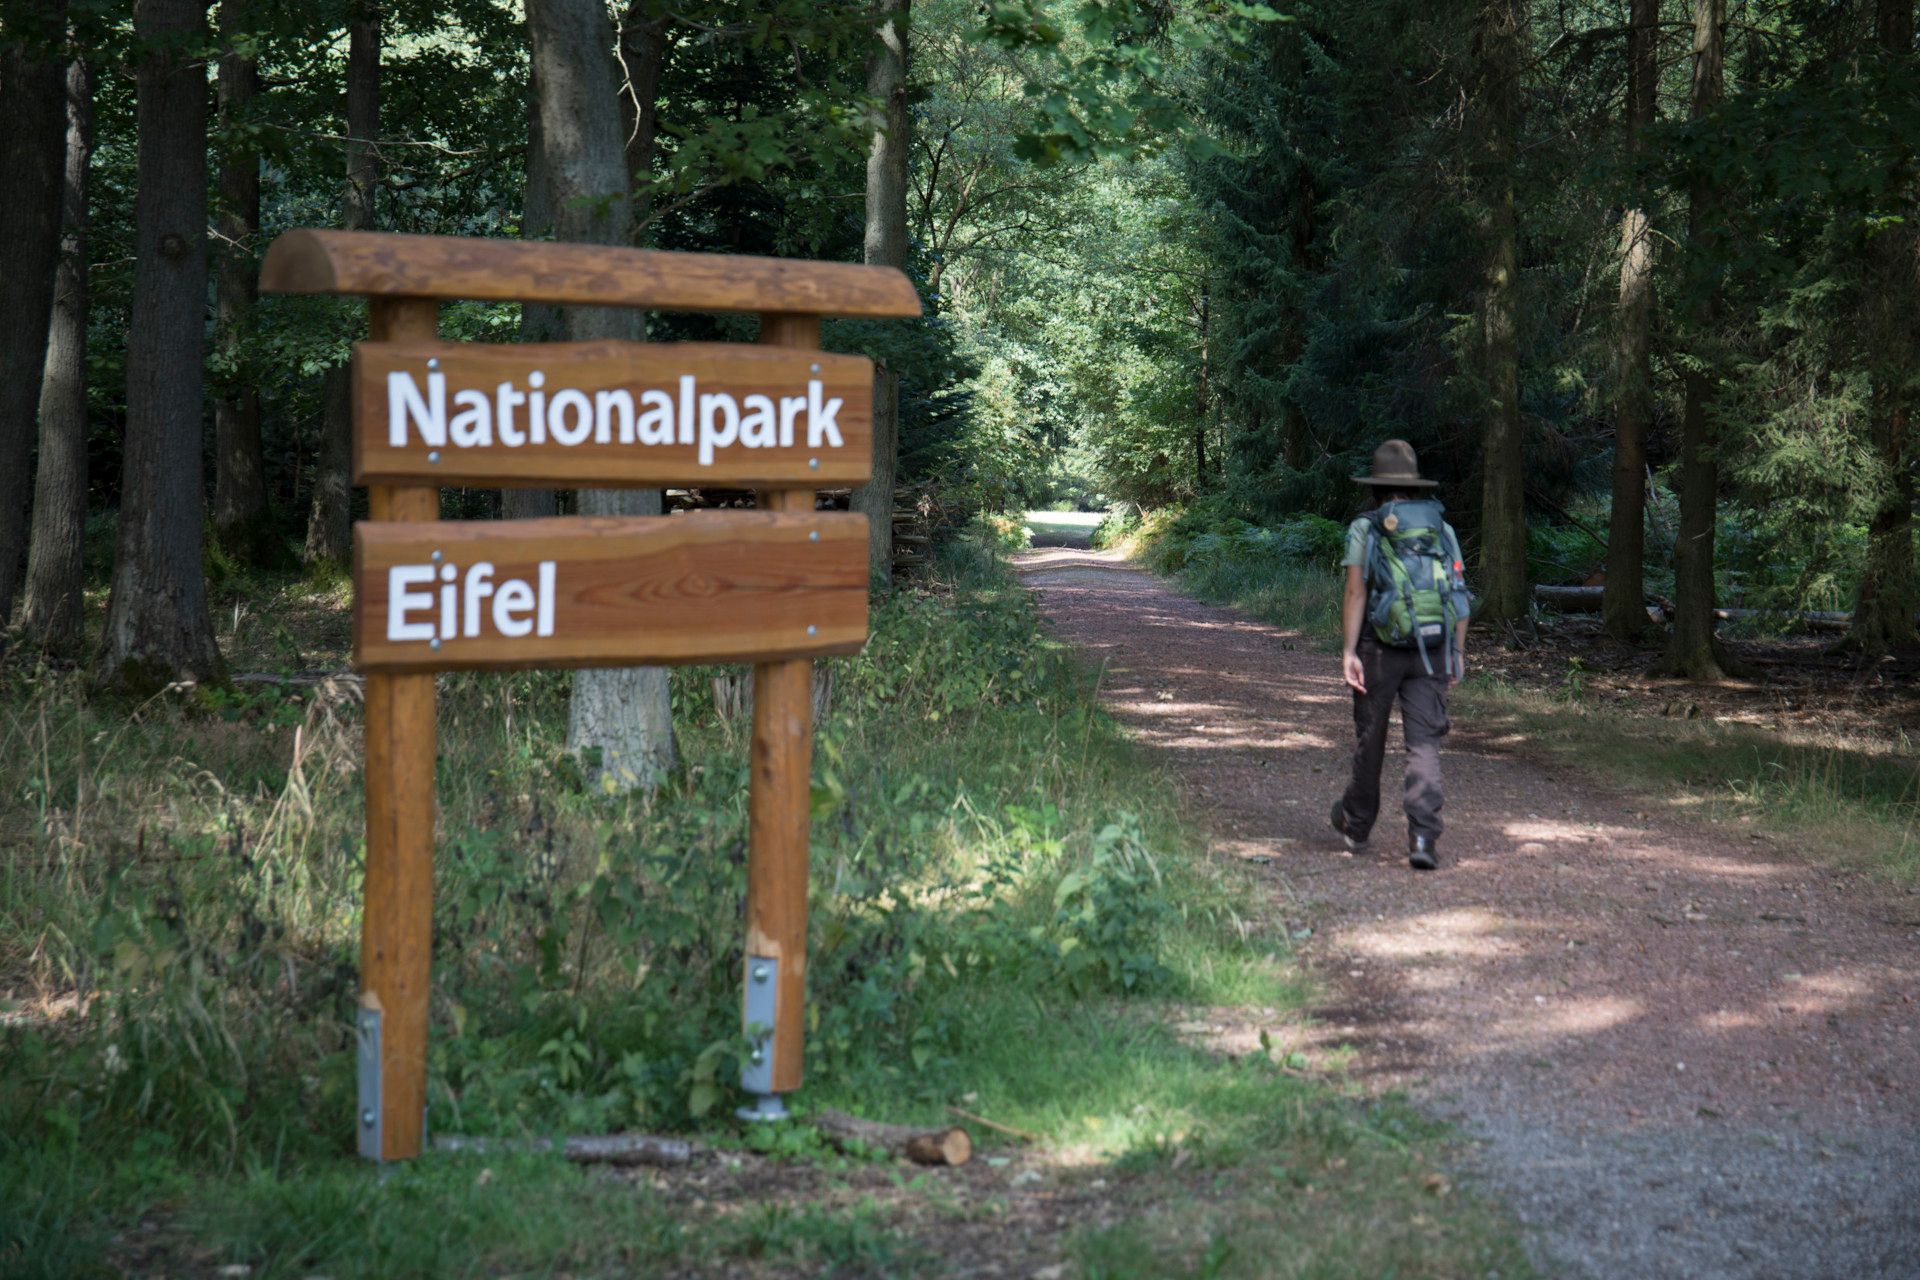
602,1148
951,1146
1587,600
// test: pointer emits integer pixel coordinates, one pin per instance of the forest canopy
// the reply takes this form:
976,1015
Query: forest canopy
1638,279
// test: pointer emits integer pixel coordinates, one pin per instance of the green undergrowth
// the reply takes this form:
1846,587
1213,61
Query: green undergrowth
1009,911
1286,574
1848,801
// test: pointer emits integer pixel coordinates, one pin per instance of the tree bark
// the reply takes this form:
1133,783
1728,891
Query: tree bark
52,617
1692,651
623,716
32,102
1622,614
240,517
1503,530
1889,592
643,55
1200,402
886,246
157,628
539,322
330,519
947,1145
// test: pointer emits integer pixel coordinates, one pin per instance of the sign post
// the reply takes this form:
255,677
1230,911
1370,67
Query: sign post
775,587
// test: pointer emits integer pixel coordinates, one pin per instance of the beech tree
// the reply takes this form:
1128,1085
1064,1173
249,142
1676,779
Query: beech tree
330,518
32,103
51,616
1500,45
623,715
885,246
157,628
1623,605
538,321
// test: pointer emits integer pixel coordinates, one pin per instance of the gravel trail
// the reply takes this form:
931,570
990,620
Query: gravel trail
1677,1050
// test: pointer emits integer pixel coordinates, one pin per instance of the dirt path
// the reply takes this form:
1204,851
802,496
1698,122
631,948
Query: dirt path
1679,1051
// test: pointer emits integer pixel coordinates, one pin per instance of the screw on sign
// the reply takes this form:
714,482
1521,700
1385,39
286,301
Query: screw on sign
775,587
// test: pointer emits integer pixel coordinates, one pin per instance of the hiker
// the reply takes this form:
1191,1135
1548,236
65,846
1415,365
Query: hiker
1405,615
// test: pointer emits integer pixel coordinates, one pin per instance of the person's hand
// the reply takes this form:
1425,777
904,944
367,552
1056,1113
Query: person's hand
1355,674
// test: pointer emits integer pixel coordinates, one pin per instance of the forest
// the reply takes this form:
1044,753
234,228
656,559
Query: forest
1638,279
1643,270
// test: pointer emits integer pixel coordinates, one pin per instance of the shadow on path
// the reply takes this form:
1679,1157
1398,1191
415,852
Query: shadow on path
1679,1053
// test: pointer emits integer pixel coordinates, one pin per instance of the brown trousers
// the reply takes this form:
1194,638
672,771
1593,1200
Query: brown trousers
1394,673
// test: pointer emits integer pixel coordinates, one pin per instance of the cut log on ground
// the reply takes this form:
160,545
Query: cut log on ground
1587,600
604,1148
950,1146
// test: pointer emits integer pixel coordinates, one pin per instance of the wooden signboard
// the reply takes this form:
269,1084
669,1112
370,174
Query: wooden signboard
707,586
552,415
774,587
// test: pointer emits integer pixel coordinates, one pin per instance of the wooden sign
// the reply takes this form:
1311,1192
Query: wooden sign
607,414
772,587
710,586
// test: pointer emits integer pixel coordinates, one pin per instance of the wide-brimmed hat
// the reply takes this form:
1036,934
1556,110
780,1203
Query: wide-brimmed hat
1395,467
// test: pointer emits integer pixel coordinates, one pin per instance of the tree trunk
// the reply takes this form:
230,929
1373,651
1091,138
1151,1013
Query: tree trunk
539,322
1200,401
1889,593
52,617
157,628
643,55
624,715
1623,614
947,1145
240,518
330,519
1692,651
32,102
886,246
1503,530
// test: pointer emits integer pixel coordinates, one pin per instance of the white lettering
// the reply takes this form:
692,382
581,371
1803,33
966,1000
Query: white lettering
545,626
686,408
608,405
537,408
820,422
717,404
790,408
582,425
514,597
656,418
449,624
478,586
472,427
758,429
401,602
505,398
429,415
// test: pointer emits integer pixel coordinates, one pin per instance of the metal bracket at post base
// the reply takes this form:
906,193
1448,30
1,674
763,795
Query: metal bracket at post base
758,1010
367,1072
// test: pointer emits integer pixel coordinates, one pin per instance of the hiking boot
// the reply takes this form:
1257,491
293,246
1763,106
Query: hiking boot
1423,853
1339,821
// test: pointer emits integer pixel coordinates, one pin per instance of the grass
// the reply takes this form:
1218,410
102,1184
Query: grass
1010,910
1835,798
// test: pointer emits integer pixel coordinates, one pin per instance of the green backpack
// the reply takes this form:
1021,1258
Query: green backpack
1416,581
